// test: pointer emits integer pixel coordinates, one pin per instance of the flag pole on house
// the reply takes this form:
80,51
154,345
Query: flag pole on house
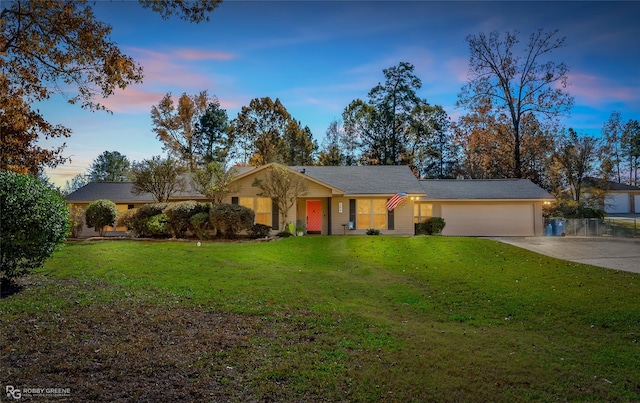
397,198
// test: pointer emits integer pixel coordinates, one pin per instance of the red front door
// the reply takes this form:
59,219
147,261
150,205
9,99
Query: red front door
314,216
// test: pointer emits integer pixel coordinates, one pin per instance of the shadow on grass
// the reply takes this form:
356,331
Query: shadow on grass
9,288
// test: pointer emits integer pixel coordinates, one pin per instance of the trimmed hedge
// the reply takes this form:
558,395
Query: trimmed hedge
230,219
179,215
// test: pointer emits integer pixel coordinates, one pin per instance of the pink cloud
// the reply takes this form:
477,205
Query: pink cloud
599,90
195,54
132,100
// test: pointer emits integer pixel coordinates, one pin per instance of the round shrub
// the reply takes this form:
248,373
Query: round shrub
259,231
230,219
158,226
136,219
179,215
431,226
34,220
101,213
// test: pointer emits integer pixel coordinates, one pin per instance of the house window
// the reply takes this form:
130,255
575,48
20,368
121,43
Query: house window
422,211
261,206
371,213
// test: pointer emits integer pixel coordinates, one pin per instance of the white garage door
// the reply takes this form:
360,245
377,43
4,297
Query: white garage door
636,202
489,219
617,203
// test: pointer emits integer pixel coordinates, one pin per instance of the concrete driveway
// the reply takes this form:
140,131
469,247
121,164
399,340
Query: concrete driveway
612,253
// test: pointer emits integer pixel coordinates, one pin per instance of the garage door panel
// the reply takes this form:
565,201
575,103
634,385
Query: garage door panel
489,220
617,203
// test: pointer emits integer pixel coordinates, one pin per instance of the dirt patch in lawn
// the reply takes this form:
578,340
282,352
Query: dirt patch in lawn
105,343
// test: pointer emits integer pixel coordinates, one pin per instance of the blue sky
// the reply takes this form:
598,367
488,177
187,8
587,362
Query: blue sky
319,56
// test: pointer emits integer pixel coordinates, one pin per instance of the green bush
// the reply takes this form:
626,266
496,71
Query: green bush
76,220
284,234
373,231
230,219
137,219
158,226
259,231
572,209
101,213
34,220
199,224
430,226
179,215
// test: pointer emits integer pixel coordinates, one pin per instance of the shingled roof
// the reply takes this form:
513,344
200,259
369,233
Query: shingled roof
609,185
376,179
483,189
358,180
122,192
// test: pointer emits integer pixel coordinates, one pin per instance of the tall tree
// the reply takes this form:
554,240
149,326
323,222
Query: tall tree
20,128
381,125
395,126
574,160
433,153
612,132
214,182
283,187
59,47
299,147
487,146
212,142
622,149
75,183
110,166
175,125
631,149
519,87
265,132
159,176
338,148
395,99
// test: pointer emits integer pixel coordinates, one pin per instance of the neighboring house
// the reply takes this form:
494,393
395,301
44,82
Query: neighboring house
620,198
352,199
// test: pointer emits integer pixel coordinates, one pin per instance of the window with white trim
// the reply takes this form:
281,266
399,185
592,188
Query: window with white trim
261,207
371,213
421,212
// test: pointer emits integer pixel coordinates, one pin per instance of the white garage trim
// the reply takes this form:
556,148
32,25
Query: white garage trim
499,219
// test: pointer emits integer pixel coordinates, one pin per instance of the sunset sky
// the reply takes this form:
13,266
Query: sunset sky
319,56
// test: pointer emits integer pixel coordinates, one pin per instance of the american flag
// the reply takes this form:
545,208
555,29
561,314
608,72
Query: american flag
395,200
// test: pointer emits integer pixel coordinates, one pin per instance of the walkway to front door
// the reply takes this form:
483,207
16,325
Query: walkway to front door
314,216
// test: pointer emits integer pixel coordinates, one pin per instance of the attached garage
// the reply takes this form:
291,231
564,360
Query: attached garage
487,207
500,219
617,203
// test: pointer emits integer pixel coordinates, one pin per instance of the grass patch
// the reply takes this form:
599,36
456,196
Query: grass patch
323,318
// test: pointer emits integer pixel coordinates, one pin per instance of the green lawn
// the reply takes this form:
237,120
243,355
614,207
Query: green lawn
323,318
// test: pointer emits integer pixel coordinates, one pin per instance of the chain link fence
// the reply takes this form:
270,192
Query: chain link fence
593,227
